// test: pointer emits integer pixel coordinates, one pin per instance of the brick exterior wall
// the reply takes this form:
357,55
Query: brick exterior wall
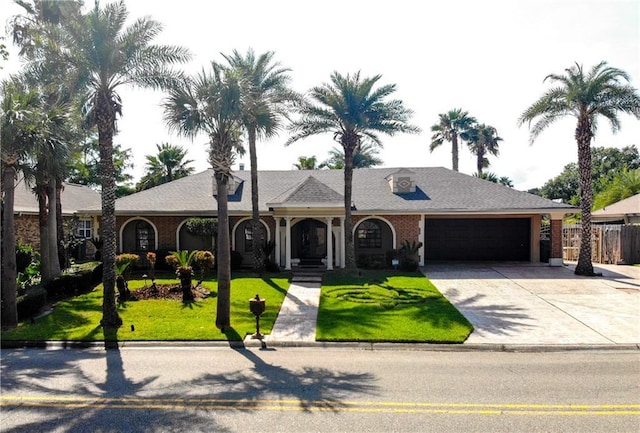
27,230
556,239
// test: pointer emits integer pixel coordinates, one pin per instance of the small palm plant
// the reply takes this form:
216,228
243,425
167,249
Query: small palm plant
123,261
181,261
409,255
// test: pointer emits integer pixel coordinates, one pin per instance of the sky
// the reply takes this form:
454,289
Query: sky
487,57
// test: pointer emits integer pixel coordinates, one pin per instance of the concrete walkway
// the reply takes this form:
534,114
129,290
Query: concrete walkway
509,304
296,321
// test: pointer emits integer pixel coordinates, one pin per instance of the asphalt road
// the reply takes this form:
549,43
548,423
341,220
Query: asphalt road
181,389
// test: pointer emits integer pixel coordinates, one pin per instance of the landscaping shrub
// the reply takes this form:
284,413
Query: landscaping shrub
70,284
31,302
161,264
24,256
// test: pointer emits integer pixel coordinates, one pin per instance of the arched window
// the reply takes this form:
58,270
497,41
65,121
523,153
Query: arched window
144,236
369,235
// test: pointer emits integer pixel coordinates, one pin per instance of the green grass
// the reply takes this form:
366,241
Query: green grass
78,319
387,306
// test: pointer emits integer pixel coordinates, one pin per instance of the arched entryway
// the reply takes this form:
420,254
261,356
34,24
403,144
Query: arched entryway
309,242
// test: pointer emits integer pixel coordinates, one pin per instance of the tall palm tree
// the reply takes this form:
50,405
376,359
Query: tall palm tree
452,125
266,97
365,157
26,128
167,165
352,110
483,140
109,56
306,163
602,91
210,103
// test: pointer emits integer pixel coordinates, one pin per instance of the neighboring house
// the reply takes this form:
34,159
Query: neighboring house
625,211
73,198
454,216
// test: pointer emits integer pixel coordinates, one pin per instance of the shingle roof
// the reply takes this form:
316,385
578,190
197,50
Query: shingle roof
438,190
73,198
310,190
628,206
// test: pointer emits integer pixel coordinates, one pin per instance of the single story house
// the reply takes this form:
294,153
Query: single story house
625,211
72,198
453,215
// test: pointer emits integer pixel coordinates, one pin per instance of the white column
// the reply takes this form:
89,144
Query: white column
277,239
421,237
329,243
343,261
287,248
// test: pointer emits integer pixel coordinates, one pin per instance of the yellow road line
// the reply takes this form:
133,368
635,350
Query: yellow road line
534,409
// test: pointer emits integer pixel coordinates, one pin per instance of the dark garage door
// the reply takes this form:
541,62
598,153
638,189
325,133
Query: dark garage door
478,239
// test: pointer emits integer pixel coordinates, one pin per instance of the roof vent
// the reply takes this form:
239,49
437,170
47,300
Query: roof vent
232,187
402,181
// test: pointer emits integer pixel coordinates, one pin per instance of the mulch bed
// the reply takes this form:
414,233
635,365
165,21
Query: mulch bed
168,291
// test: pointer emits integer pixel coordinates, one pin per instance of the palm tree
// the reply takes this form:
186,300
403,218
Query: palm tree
365,157
307,163
483,140
108,56
166,166
210,103
452,125
603,91
265,100
26,128
352,110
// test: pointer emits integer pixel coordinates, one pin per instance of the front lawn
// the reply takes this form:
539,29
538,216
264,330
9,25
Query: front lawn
78,318
387,306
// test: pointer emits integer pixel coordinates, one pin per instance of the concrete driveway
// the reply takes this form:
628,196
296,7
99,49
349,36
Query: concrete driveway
534,304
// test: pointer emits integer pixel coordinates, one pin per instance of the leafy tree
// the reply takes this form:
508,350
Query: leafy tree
352,110
483,140
624,185
85,166
607,163
210,103
365,157
167,165
602,91
266,98
307,163
108,56
451,126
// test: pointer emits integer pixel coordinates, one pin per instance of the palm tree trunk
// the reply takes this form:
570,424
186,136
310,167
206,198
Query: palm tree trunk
479,160
52,229
350,253
62,252
43,224
454,152
256,226
105,120
583,137
9,272
223,314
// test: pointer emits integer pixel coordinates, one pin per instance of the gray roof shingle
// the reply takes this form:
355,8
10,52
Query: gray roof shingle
72,198
438,191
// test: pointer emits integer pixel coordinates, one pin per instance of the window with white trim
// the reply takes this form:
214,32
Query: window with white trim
84,229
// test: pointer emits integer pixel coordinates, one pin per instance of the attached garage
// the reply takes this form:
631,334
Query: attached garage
478,239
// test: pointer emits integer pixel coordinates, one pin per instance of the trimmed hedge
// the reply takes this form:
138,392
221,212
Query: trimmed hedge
31,302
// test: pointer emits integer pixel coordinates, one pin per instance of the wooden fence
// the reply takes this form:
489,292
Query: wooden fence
616,244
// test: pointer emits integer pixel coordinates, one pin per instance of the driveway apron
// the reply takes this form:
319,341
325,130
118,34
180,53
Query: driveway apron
529,304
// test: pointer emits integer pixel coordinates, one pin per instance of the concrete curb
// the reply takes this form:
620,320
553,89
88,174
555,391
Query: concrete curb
253,344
